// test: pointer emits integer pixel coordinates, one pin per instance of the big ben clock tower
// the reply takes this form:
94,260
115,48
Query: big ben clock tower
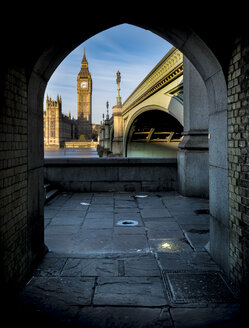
84,103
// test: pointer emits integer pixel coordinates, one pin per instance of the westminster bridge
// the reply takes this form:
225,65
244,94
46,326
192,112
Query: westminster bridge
166,116
150,121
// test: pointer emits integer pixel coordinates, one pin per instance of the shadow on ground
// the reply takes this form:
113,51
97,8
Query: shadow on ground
128,260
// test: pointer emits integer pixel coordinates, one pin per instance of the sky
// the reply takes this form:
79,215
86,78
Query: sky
127,48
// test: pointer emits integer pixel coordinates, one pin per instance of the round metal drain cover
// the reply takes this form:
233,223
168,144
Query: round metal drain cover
127,223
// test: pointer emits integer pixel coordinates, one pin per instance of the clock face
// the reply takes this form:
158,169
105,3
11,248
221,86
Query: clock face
83,84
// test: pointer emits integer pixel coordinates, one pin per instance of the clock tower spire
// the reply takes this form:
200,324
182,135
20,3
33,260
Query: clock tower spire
84,58
84,99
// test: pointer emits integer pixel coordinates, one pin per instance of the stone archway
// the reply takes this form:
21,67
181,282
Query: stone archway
198,53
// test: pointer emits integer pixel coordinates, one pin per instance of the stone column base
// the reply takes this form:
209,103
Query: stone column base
193,166
117,147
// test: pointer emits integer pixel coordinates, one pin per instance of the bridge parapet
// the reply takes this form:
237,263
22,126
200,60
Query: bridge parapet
112,174
169,68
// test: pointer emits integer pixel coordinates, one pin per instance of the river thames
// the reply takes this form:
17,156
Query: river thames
71,152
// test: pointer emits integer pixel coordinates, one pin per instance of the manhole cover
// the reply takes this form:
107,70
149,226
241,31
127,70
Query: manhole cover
127,223
198,287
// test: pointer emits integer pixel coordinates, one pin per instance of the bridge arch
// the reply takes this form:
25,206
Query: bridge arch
201,56
138,113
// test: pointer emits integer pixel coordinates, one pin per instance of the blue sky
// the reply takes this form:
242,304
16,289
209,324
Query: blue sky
131,50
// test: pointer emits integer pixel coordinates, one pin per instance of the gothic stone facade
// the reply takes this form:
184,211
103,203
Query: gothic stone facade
58,127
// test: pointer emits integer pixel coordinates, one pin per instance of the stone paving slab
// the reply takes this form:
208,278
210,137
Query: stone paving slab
192,219
65,213
81,196
164,233
61,290
57,229
123,196
49,213
50,266
64,220
157,225
127,214
98,223
90,267
121,210
100,208
150,202
103,194
102,201
155,213
59,200
125,203
60,243
218,315
141,267
188,226
162,229
100,215
125,291
123,230
74,206
192,261
124,317
163,219
198,238
130,243
95,240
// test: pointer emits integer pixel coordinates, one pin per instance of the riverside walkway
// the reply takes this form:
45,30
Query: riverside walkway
128,260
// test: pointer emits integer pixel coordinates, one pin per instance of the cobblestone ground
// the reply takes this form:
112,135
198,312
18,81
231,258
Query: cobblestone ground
128,260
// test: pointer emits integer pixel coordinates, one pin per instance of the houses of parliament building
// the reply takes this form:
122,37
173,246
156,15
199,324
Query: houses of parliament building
58,127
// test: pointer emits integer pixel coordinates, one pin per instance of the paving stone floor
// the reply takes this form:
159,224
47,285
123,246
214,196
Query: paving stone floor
155,273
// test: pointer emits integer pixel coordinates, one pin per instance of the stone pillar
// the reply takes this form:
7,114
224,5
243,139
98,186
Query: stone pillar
101,136
193,158
106,135
100,146
117,145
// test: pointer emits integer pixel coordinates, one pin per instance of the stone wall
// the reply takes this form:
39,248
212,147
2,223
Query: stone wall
238,145
13,179
112,174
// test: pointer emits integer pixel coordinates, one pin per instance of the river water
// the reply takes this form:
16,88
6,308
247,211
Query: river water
71,152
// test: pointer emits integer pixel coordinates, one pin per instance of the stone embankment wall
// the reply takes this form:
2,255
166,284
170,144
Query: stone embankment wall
112,174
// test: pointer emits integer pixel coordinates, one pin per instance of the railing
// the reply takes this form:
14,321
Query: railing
112,174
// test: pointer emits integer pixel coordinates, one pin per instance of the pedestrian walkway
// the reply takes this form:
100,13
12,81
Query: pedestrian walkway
128,260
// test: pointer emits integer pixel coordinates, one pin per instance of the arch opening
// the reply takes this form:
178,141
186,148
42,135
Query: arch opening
127,48
195,49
